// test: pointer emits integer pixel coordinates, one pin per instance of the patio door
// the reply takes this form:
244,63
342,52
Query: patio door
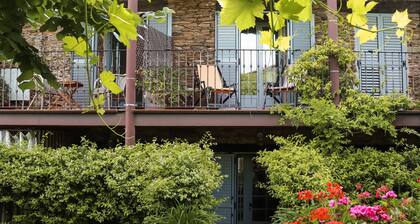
258,66
227,190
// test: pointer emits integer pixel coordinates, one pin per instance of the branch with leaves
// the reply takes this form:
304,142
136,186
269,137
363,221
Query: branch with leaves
245,13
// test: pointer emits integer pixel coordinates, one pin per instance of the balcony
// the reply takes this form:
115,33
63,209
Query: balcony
191,80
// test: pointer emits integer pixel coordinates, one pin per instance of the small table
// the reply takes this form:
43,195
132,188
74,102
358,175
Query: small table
65,94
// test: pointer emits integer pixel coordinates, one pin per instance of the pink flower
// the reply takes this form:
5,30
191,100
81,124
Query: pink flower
373,213
389,194
331,203
344,201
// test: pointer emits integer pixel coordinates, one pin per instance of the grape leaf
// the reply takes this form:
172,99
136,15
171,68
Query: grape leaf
306,13
98,104
267,38
125,21
276,21
243,13
283,43
78,45
289,9
359,10
401,18
108,80
400,33
365,35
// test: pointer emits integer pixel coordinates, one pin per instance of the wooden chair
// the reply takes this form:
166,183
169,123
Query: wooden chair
212,83
281,88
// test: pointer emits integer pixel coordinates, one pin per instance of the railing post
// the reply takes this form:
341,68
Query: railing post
130,99
333,63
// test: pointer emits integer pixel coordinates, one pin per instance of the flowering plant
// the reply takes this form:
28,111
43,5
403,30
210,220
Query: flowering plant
334,206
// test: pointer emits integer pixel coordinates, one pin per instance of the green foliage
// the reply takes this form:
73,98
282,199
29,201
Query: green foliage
371,168
359,113
311,72
183,214
82,184
294,167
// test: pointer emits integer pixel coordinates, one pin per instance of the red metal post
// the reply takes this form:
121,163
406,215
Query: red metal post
333,63
130,88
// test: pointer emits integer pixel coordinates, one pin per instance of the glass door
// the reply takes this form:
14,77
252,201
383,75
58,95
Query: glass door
258,66
255,206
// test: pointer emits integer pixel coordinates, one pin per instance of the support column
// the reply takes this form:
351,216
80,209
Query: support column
130,86
333,62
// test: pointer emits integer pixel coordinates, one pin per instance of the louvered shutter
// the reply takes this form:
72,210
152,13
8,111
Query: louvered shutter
381,62
158,35
368,64
303,38
226,191
227,43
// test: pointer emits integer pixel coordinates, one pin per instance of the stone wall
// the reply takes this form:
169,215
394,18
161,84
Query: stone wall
413,47
193,25
51,51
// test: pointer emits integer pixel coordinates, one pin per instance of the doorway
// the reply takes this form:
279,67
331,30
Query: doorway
246,202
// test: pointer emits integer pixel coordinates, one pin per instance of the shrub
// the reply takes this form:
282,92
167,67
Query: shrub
293,167
371,168
82,184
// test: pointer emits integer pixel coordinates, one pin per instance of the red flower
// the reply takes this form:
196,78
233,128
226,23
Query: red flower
320,196
334,222
335,191
320,214
382,190
418,180
363,195
305,195
359,186
297,222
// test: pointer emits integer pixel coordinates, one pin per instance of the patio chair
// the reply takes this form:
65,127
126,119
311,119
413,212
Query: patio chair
98,89
279,90
212,83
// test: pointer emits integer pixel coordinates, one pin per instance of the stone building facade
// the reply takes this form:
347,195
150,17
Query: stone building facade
194,29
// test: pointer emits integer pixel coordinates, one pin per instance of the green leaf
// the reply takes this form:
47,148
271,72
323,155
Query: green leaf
283,43
365,35
243,13
27,85
289,9
98,104
77,45
276,21
306,13
359,10
125,21
108,80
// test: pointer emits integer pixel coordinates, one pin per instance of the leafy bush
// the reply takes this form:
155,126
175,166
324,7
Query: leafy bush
371,168
292,168
82,184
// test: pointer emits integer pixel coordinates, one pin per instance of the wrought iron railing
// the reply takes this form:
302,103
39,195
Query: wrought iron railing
222,79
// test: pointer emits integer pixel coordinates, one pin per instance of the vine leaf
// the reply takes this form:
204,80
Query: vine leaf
276,21
365,35
108,80
98,104
125,21
401,18
283,43
306,13
78,45
243,13
289,9
400,33
359,10
267,38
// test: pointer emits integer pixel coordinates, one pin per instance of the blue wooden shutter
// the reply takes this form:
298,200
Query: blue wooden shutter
226,192
159,34
381,62
303,38
227,43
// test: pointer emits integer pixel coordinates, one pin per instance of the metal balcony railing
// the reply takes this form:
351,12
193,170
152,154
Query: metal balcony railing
221,79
